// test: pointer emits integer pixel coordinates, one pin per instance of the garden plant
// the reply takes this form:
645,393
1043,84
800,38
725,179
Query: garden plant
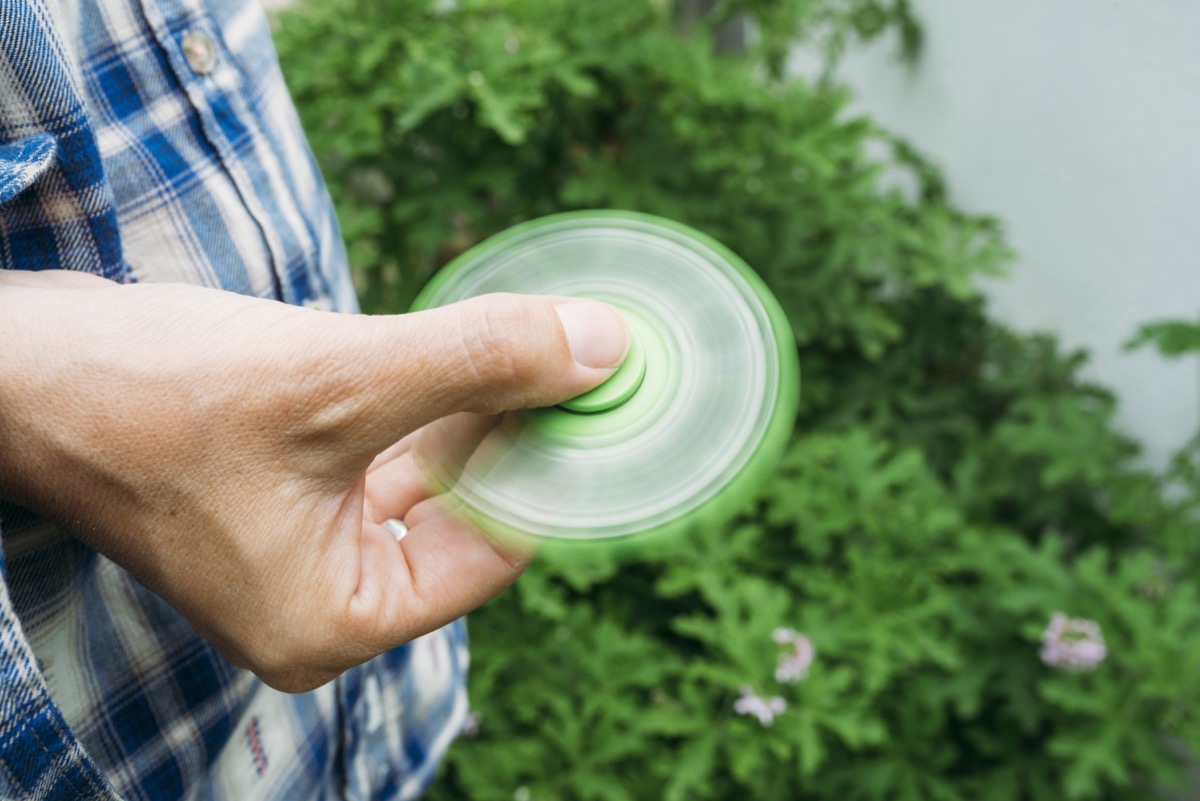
959,585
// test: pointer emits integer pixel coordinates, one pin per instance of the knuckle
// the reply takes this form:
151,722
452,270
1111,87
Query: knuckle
294,681
288,671
494,342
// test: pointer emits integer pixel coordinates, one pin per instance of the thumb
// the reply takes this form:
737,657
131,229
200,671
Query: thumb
491,354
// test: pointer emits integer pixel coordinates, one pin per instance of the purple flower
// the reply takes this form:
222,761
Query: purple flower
785,636
470,725
765,709
794,664
1072,644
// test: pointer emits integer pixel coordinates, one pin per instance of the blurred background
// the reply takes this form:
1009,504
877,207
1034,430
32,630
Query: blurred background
1075,123
974,575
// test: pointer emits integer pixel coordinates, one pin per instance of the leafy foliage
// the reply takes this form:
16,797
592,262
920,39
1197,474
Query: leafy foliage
1170,337
951,486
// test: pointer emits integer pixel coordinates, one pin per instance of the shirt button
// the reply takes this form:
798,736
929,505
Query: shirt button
200,52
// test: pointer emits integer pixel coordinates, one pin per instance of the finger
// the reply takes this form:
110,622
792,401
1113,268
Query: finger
443,569
394,488
487,354
430,463
393,453
442,449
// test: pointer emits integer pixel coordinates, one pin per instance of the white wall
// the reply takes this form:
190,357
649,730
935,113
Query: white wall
1077,123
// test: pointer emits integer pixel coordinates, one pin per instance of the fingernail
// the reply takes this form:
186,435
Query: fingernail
596,333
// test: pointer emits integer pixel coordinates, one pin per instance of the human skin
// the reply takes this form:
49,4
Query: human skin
239,455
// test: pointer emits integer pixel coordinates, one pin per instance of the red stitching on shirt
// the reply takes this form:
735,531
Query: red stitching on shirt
256,748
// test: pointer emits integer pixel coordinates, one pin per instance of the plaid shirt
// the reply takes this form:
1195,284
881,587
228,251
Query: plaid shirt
153,140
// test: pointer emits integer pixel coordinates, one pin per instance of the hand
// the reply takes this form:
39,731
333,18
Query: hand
238,456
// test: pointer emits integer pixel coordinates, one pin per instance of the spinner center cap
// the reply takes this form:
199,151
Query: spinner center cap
619,387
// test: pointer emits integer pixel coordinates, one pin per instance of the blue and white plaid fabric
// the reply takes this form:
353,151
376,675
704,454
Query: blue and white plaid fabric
120,159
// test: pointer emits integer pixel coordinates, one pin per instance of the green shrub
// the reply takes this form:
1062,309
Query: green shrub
952,485
926,683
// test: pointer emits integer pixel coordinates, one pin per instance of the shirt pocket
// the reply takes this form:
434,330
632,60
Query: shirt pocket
22,162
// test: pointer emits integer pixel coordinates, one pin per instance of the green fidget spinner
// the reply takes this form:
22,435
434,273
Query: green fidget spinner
684,432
